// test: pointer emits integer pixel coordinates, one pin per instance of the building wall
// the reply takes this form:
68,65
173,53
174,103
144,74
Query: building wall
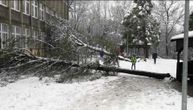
22,22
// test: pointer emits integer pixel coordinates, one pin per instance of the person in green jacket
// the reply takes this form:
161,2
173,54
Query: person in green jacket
133,62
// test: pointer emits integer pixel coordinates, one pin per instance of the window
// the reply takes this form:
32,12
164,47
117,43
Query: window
47,10
42,16
27,7
34,39
52,12
4,35
16,33
43,39
15,5
26,37
35,34
47,14
3,2
56,14
35,9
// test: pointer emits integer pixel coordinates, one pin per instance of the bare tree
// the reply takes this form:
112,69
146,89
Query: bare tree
169,14
98,19
78,13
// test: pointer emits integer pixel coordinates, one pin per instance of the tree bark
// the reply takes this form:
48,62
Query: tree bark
134,72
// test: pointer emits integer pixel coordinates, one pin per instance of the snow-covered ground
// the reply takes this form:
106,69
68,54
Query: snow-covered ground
162,66
122,92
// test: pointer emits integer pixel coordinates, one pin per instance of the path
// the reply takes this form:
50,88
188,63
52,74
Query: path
132,93
123,92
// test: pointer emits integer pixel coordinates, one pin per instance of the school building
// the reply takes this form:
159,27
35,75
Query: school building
23,22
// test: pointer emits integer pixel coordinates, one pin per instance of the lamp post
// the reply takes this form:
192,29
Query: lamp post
185,57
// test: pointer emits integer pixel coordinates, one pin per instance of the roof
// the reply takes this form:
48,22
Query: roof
181,36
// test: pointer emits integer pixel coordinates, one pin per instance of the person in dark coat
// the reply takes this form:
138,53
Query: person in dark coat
154,56
101,59
101,53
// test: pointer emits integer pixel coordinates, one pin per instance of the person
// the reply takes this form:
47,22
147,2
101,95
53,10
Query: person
121,50
133,62
154,56
101,59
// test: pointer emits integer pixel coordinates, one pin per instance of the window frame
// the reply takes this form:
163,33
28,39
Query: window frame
14,2
26,2
16,35
35,9
52,12
34,37
42,11
2,33
26,34
47,10
1,3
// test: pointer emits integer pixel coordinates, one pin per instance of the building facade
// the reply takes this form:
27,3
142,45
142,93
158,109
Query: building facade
23,22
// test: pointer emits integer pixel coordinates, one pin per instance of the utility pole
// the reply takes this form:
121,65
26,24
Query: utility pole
185,57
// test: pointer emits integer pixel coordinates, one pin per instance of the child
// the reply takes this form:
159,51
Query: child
133,62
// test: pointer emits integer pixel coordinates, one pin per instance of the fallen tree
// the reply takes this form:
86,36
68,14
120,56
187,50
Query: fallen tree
26,58
22,59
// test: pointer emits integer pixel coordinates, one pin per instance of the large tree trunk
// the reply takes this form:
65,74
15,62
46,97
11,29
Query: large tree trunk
23,59
134,72
110,69
167,22
146,50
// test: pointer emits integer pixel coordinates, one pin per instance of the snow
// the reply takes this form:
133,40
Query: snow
181,36
161,66
140,7
122,92
134,4
127,14
32,94
147,7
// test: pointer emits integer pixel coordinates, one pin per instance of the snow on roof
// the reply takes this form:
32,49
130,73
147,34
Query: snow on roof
181,36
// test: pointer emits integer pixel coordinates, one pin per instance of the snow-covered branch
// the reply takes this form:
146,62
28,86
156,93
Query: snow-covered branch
66,30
